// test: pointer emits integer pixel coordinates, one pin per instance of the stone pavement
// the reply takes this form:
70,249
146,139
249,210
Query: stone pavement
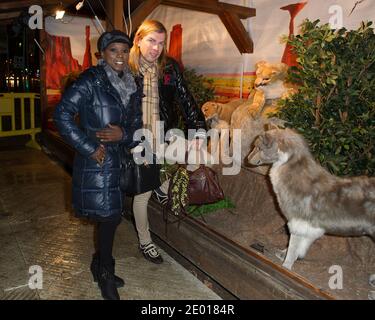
38,230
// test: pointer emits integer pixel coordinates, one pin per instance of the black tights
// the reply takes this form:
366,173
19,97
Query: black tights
105,235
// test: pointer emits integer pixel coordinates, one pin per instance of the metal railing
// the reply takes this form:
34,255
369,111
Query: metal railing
20,114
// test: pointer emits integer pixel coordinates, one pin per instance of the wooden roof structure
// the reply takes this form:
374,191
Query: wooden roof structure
230,15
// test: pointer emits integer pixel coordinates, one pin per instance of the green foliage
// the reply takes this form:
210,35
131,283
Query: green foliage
335,106
197,211
200,87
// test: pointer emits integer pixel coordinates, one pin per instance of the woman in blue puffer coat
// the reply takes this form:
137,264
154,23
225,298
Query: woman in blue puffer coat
107,100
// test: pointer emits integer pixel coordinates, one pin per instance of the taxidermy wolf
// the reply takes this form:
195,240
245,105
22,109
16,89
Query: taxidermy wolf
314,201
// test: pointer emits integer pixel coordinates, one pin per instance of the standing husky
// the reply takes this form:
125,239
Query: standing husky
313,201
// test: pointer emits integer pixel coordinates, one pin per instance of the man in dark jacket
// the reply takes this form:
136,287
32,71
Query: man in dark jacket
164,88
107,100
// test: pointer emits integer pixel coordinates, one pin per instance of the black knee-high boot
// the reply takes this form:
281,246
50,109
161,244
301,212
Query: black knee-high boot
94,267
107,282
106,273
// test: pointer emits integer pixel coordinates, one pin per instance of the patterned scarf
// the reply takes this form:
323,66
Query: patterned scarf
150,103
124,85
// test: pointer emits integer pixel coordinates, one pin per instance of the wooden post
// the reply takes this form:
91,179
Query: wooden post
43,77
115,9
237,31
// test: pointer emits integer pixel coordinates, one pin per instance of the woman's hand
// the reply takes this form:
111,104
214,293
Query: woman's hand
99,155
110,134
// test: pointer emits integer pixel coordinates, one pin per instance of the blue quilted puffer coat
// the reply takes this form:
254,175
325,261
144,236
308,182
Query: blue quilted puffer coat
96,190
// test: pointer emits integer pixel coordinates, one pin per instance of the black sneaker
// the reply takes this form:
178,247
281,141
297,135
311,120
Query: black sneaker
151,253
160,196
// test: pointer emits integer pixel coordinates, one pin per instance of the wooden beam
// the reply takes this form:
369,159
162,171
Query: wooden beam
229,14
9,15
208,6
115,8
5,22
237,31
211,6
241,12
16,4
142,11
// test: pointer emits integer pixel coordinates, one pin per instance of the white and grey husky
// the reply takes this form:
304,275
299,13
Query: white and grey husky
314,201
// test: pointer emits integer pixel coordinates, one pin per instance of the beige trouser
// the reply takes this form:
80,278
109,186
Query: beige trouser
140,203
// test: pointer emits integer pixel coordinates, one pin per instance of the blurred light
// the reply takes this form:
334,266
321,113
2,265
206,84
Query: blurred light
60,14
10,81
80,5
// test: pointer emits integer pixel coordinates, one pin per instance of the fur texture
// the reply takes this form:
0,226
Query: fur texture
314,201
253,115
218,116
269,84
220,144
223,111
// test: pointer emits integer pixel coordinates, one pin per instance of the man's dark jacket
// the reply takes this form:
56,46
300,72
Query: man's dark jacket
173,91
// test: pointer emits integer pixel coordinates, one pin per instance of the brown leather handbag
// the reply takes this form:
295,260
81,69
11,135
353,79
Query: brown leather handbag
204,186
201,188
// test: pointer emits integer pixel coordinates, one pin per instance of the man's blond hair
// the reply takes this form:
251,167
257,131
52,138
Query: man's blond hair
147,27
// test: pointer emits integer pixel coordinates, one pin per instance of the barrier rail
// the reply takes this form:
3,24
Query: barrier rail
20,114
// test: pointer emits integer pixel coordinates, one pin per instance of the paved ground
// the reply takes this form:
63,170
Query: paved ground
38,229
